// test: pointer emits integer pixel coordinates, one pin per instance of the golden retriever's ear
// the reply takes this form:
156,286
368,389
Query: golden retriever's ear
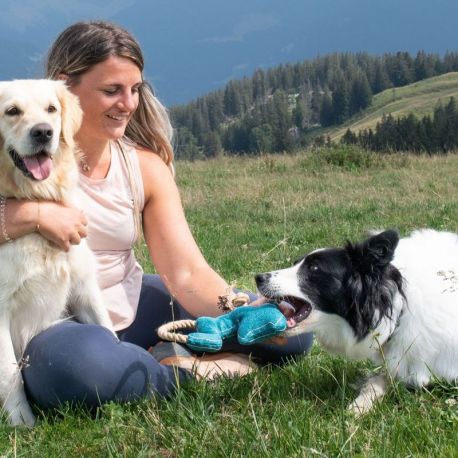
72,114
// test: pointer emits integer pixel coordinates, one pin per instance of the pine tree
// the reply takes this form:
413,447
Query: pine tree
259,85
381,79
327,111
186,147
232,100
281,121
340,101
261,139
360,94
349,138
212,145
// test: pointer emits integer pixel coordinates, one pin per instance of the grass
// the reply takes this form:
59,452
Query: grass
418,98
255,214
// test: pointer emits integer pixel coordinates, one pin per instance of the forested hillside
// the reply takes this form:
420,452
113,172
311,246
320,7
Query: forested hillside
277,109
430,134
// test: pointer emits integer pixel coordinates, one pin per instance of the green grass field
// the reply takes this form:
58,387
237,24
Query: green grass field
255,214
418,98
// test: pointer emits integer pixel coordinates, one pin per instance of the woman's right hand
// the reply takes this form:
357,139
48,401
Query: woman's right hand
61,224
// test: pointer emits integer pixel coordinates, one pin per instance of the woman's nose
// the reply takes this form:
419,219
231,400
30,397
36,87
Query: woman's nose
129,101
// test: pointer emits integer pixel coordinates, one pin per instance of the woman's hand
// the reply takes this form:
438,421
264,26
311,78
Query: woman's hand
62,224
259,301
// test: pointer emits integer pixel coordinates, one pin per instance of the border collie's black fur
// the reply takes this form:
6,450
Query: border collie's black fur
372,282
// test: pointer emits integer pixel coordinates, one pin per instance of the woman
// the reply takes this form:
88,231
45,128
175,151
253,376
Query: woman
126,185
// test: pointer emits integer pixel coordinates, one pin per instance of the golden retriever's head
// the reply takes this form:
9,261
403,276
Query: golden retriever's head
38,119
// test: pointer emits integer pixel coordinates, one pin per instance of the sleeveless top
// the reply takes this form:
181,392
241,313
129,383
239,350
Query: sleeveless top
109,206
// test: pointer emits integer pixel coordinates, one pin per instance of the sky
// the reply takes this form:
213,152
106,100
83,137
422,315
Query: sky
193,47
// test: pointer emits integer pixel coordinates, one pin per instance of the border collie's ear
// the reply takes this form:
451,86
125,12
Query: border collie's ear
376,252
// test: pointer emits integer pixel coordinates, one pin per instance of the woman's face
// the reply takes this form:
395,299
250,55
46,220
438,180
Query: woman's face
108,95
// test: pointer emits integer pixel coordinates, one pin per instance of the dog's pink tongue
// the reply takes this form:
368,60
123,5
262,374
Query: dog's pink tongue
291,322
39,166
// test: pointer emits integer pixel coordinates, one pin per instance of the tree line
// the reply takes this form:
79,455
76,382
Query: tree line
277,108
430,134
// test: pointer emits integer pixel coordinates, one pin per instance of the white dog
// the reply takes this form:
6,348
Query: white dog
393,301
38,281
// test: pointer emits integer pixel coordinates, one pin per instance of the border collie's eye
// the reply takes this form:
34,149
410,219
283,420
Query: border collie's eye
313,268
52,109
13,111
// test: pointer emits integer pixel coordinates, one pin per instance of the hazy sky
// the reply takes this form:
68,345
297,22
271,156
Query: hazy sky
195,46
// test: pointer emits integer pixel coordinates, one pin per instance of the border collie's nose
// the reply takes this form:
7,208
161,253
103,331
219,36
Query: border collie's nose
262,278
41,133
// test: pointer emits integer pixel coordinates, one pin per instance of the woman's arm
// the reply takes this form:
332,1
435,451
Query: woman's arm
172,247
61,224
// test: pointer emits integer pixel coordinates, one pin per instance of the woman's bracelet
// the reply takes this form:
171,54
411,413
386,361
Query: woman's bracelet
5,235
232,300
37,229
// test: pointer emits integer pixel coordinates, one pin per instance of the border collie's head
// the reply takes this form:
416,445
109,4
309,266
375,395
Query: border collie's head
356,283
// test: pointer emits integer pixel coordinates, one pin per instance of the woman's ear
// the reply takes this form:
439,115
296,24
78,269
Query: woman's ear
72,115
62,77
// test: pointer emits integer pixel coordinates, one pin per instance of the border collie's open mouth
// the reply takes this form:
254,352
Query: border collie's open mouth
37,167
294,309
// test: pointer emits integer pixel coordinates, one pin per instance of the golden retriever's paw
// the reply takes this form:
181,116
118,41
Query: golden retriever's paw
22,415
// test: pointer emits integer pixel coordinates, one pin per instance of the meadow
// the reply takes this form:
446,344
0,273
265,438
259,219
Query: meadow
256,214
420,98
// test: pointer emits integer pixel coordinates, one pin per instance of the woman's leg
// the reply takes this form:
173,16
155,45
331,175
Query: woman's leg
86,364
156,307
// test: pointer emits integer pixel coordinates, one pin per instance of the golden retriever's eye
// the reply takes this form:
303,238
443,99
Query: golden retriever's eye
13,111
52,109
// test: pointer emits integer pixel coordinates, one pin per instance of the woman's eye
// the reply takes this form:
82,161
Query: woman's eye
110,91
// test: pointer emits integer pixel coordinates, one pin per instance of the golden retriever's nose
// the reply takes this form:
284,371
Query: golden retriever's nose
41,133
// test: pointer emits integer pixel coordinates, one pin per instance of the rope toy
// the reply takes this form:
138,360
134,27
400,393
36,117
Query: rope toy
249,323
168,330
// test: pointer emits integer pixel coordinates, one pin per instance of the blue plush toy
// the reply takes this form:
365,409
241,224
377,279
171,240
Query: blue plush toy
250,324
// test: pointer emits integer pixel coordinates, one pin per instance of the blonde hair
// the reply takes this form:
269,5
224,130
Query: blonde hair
84,44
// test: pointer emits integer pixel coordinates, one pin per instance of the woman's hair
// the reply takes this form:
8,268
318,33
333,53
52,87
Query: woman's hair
84,44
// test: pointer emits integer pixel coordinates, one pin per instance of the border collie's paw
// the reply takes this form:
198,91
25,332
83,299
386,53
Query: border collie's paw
373,389
361,405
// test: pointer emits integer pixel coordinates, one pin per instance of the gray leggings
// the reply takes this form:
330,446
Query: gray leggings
85,364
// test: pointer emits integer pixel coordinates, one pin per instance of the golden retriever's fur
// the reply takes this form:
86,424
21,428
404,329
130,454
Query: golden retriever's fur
38,281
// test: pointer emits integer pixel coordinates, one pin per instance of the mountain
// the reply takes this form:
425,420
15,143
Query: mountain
286,107
196,46
420,99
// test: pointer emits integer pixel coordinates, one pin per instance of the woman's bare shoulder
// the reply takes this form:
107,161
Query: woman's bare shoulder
150,161
155,171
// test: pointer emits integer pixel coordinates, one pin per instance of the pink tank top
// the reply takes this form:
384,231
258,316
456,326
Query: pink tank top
108,204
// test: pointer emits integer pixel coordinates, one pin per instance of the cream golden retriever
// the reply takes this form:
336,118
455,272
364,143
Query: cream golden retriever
39,283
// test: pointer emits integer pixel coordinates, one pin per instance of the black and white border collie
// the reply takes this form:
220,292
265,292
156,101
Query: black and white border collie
392,300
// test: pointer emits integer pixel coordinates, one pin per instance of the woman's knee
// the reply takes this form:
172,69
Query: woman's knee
71,362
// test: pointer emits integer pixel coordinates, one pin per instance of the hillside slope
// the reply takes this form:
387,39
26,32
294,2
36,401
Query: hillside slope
418,98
